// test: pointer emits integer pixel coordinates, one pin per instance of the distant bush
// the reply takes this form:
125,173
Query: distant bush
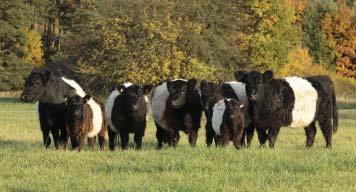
301,64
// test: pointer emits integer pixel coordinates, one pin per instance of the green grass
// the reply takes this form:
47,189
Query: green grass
27,166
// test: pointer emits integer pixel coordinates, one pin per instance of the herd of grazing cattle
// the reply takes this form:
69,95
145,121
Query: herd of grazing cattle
233,110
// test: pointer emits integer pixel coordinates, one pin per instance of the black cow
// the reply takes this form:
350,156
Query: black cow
228,122
128,114
212,93
85,118
176,105
291,101
51,92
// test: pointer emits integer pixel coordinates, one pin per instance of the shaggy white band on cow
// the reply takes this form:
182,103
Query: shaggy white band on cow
97,117
305,101
110,106
158,103
218,113
78,89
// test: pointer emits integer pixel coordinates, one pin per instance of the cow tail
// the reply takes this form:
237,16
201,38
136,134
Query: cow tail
335,111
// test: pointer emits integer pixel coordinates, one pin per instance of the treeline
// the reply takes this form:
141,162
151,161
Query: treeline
150,40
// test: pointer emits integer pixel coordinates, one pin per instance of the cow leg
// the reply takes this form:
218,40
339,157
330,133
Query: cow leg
310,132
217,140
91,142
249,134
46,138
209,132
124,136
262,136
225,136
326,129
138,139
74,142
63,138
193,136
101,139
160,134
112,138
175,138
55,134
238,139
81,141
272,136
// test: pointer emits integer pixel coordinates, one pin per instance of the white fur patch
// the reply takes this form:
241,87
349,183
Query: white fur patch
97,117
37,109
218,113
158,103
109,106
75,85
180,80
240,92
127,84
305,101
148,106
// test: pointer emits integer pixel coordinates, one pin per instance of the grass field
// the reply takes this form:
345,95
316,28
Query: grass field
27,166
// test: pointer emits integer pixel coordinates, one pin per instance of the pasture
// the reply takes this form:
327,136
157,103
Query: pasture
27,166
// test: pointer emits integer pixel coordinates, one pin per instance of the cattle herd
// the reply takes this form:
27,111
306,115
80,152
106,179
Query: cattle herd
233,110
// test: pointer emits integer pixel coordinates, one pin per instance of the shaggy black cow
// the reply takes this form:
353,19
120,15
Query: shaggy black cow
228,122
176,105
85,118
51,92
291,101
127,112
212,93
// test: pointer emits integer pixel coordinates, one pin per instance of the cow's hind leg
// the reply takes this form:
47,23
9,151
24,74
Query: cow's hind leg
112,138
272,135
46,138
262,136
101,139
91,142
310,132
326,129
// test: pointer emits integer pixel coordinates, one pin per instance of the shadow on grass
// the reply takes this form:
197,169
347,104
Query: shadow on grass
8,100
19,145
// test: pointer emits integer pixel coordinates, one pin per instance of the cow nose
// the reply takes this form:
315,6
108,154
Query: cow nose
253,97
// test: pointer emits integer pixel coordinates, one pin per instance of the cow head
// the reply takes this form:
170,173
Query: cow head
209,90
35,84
255,83
131,96
75,113
233,108
178,90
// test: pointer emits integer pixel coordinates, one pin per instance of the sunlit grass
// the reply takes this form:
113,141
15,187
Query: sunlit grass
27,166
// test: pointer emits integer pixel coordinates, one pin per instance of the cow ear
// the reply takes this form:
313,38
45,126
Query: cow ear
147,88
121,88
226,102
86,98
267,75
192,83
240,76
45,75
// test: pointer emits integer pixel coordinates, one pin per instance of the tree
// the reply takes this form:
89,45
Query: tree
14,20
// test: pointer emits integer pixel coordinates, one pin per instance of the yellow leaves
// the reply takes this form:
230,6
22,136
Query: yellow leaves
33,48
